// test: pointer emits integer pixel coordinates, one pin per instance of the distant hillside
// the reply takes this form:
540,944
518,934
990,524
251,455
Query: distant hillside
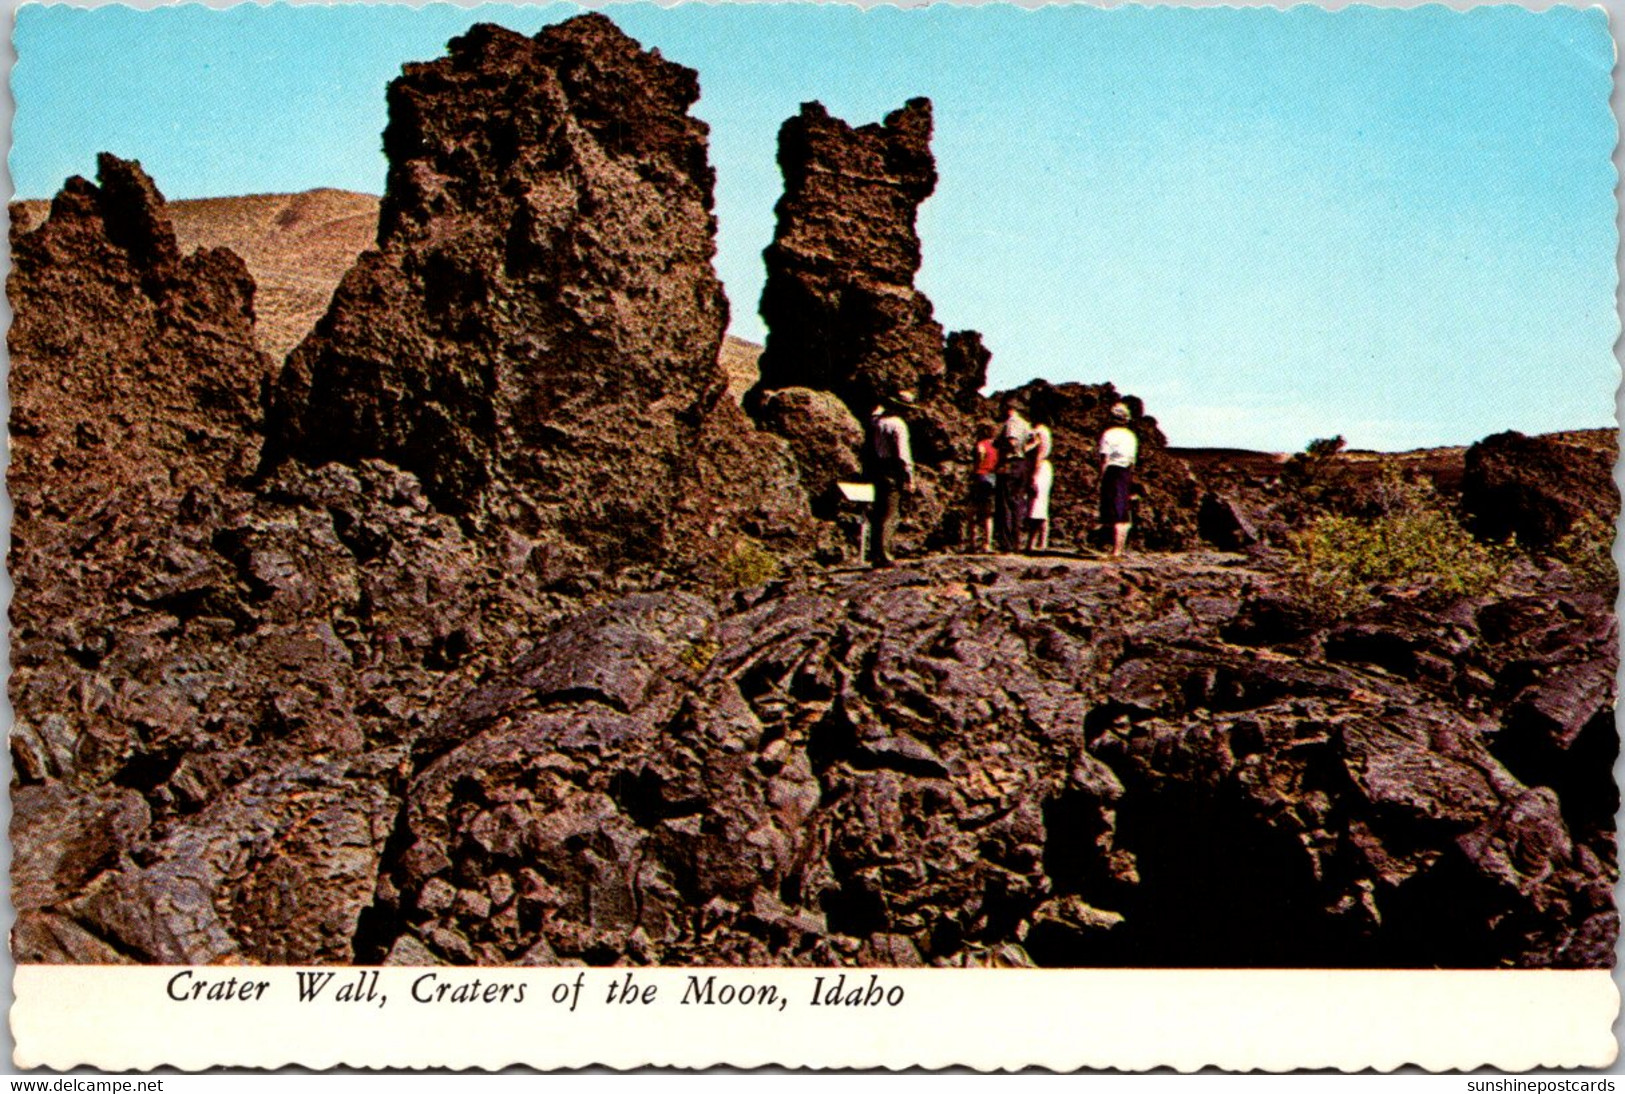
298,246
1443,465
739,360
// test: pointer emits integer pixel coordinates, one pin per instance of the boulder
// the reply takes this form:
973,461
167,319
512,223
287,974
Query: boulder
1536,488
277,871
62,838
1224,523
823,436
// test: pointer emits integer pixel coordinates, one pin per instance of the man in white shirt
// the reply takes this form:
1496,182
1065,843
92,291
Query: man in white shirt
889,457
1119,451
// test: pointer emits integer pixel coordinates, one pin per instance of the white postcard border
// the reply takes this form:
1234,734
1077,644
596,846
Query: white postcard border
138,1018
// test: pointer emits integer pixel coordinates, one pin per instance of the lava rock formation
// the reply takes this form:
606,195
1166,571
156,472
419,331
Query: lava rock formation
210,683
1536,488
407,683
842,311
536,336
1001,762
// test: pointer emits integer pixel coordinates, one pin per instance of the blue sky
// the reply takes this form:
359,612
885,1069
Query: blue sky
1273,226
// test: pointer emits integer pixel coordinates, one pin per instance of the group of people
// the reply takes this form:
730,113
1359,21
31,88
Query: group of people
1011,478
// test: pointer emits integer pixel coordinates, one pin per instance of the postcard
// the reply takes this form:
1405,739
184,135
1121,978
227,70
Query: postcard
810,536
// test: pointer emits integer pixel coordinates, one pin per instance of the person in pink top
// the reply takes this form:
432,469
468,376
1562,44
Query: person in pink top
983,483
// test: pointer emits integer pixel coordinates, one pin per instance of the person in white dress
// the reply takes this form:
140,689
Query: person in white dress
1039,446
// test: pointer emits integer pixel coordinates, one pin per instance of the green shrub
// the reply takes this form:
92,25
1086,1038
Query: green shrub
1415,541
1323,448
1588,551
747,565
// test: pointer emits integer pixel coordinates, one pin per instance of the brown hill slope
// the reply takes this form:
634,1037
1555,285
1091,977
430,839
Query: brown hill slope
297,246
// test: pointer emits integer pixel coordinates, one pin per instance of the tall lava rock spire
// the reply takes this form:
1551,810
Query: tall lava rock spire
845,320
129,361
845,323
842,311
536,336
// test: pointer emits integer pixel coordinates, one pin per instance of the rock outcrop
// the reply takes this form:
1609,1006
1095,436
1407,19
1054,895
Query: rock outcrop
536,336
1536,488
206,679
130,363
844,317
996,762
841,308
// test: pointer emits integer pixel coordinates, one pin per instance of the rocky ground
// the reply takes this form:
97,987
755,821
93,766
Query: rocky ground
966,760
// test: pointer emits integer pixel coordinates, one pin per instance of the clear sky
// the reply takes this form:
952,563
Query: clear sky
1272,226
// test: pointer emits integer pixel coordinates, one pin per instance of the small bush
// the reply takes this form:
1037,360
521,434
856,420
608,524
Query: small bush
1323,448
747,565
1588,551
1316,477
1415,541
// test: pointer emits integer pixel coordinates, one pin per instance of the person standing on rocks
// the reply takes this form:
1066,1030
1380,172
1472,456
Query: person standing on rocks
1042,475
983,489
1013,476
1119,451
889,460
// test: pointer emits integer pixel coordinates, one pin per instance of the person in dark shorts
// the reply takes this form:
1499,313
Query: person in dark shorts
1012,477
1119,451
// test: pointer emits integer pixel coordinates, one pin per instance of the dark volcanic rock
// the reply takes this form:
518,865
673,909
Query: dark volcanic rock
131,367
979,763
277,871
178,641
1224,523
840,304
965,359
342,711
823,435
1536,488
843,314
537,335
